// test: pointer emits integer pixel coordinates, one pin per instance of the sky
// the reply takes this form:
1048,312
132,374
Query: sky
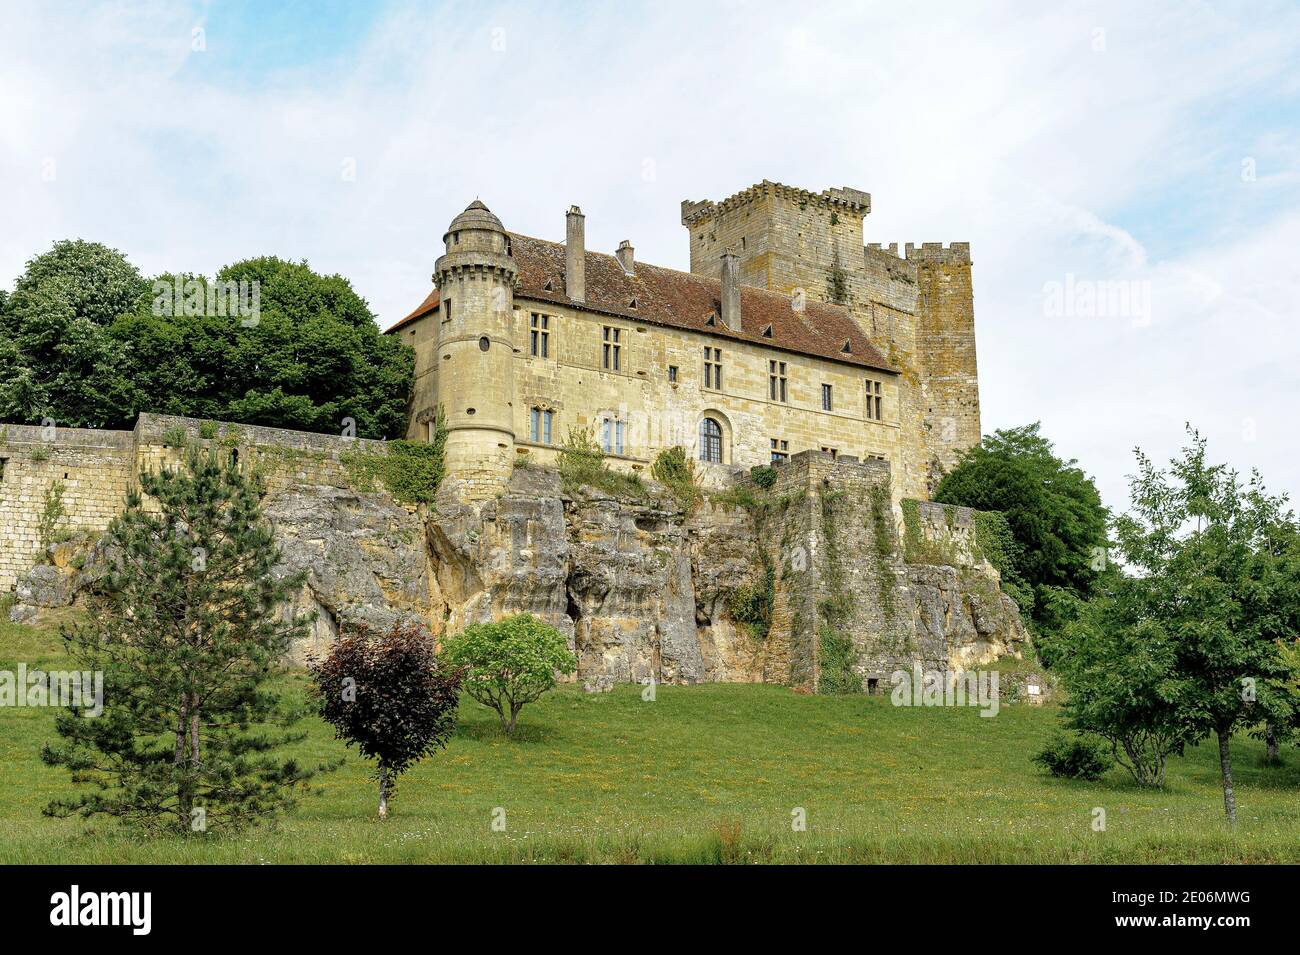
1144,158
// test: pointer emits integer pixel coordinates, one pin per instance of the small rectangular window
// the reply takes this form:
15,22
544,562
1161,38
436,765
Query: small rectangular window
618,437
539,332
826,397
539,425
612,347
875,402
672,373
446,310
831,451
713,368
776,381
780,450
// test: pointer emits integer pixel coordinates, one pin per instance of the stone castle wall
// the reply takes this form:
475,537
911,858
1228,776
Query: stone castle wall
658,413
96,469
642,589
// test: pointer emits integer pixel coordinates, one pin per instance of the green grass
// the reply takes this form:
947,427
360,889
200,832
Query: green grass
702,774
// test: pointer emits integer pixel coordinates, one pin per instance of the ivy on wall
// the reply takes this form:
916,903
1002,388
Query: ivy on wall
836,653
881,525
752,604
992,541
411,471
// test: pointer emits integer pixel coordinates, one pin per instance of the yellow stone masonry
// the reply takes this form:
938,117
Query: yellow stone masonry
96,469
475,356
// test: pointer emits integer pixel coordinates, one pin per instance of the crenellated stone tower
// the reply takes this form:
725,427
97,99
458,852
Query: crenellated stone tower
918,307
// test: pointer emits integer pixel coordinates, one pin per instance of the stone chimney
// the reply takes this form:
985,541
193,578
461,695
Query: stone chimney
575,255
730,293
625,257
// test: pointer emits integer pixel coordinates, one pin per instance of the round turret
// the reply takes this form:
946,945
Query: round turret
475,377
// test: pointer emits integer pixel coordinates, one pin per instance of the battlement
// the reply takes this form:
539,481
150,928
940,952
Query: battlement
805,469
956,253
18,436
851,200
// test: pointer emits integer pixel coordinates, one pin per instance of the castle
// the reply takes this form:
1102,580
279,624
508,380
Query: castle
788,342
788,334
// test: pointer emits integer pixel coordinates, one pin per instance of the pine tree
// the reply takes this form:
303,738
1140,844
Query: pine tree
187,634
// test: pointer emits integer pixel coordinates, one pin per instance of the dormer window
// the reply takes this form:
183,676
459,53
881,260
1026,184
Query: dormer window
767,331
711,320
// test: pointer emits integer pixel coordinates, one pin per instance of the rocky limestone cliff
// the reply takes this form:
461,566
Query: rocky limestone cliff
803,584
644,590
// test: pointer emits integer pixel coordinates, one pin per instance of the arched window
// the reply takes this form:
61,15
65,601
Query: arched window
710,441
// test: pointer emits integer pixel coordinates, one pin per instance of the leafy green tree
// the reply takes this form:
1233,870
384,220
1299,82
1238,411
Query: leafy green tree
57,357
87,341
1118,664
1271,601
311,357
1053,509
187,633
1214,593
1289,650
509,663
387,695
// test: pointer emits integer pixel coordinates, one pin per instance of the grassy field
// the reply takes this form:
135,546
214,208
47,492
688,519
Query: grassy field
702,774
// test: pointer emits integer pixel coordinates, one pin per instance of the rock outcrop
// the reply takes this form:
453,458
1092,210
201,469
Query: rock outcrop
363,554
646,591
804,583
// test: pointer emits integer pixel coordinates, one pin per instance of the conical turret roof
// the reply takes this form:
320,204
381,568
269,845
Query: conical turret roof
476,216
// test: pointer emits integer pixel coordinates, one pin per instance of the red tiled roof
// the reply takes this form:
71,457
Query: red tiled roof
429,304
685,300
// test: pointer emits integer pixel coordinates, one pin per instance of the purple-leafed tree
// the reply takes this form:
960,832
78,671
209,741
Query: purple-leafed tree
386,694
